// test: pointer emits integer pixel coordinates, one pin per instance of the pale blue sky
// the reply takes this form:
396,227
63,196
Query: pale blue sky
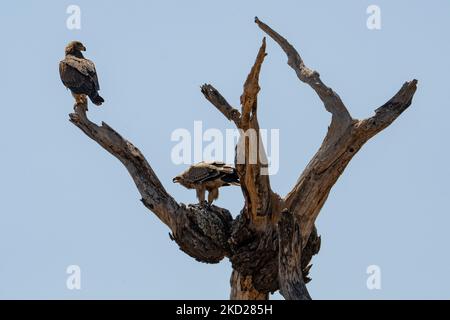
67,201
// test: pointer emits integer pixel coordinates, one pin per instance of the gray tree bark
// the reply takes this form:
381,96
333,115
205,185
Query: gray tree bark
272,241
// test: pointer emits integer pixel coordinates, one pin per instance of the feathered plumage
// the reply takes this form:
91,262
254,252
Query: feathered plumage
79,75
208,176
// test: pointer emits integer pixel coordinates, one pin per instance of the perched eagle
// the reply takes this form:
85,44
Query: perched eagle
208,176
78,74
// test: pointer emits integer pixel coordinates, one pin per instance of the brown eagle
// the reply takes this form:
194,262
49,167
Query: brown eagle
208,176
78,74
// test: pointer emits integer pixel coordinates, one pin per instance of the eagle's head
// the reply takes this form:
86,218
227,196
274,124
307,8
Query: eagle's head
181,179
184,181
177,179
75,47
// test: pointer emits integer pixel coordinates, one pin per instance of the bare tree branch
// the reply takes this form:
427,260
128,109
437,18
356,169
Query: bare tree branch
344,138
331,99
255,182
152,191
387,113
251,160
213,96
251,88
202,232
312,188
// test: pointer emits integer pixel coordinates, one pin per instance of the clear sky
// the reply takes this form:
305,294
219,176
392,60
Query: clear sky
65,201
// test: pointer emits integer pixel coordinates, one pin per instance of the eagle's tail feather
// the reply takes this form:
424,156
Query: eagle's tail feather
96,99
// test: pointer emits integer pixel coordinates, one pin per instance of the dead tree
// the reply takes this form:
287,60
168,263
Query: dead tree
271,242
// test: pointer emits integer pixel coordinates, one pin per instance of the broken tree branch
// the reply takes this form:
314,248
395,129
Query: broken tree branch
253,173
251,160
249,97
152,191
387,113
213,96
331,99
312,188
202,232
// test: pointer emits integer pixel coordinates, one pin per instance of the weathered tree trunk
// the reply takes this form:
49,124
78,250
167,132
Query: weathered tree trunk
271,242
292,284
242,288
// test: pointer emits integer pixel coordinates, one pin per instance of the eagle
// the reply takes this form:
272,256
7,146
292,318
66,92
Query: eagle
208,176
78,74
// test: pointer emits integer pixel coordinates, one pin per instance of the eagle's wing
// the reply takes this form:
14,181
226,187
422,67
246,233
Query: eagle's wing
204,172
200,173
92,73
78,74
70,77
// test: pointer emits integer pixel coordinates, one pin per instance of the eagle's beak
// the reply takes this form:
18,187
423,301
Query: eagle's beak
83,48
175,180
